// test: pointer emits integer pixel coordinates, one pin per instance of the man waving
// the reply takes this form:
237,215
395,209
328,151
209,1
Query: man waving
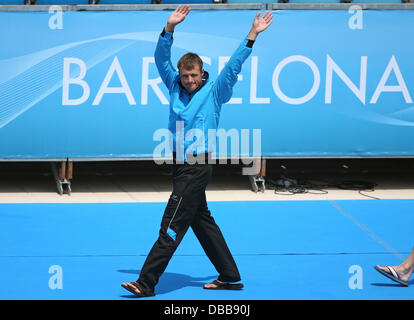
195,103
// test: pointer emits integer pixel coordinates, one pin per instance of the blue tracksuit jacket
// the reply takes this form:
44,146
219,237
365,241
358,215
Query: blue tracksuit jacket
193,115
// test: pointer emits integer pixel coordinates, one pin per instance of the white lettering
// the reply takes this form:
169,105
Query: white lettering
165,148
392,66
56,21
206,60
67,80
253,84
179,140
355,21
332,66
181,310
75,69
115,67
197,147
163,151
56,280
355,281
234,145
316,79
153,83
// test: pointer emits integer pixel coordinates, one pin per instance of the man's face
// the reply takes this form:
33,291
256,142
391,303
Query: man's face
191,79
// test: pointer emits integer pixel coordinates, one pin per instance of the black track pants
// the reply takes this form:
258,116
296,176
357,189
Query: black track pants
187,207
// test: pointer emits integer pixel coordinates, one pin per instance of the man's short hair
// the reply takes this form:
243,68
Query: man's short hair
189,61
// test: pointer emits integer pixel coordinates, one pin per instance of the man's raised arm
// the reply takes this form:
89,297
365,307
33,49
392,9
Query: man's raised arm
228,76
163,49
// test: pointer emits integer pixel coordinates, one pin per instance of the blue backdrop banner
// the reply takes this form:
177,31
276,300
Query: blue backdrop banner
323,83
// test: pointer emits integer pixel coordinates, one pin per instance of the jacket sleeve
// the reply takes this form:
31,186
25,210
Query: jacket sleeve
223,87
163,59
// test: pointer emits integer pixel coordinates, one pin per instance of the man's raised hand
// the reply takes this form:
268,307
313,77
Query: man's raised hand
260,24
177,17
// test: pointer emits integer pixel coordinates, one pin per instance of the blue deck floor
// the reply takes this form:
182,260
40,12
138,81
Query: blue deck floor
284,250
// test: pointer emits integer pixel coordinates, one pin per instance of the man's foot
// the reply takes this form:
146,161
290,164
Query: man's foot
395,273
219,285
403,273
134,288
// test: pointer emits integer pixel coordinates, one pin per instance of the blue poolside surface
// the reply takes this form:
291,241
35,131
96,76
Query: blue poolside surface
284,250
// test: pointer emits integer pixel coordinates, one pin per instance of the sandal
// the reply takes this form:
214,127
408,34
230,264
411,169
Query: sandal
224,286
135,288
392,275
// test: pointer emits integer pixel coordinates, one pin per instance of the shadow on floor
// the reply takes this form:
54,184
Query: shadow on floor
170,281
